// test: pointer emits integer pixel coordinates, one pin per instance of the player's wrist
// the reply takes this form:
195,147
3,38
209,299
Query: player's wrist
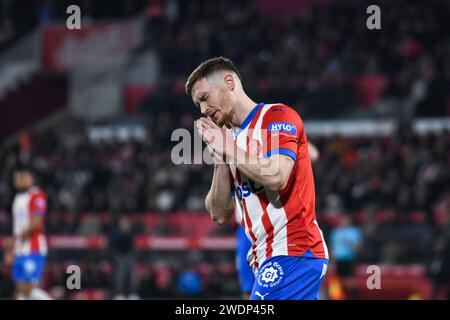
231,152
220,165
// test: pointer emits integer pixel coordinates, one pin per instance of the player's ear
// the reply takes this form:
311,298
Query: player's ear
229,81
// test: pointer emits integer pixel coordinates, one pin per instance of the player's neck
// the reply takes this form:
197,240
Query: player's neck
242,110
24,190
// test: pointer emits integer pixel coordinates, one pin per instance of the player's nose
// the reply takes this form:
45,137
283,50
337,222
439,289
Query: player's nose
203,107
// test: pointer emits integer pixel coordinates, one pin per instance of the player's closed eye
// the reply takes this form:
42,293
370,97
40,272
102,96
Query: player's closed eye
201,99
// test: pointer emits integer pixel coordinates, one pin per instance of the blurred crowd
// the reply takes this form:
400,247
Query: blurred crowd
115,176
323,60
18,18
168,276
382,182
394,190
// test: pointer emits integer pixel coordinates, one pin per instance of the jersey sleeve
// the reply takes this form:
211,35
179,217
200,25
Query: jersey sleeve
282,129
38,204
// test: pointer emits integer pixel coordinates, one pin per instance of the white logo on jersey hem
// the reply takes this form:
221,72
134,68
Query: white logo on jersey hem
260,295
324,270
29,266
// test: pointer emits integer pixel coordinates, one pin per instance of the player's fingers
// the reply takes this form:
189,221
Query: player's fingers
214,134
208,136
199,126
210,123
201,123
200,130
211,149
204,126
209,128
207,124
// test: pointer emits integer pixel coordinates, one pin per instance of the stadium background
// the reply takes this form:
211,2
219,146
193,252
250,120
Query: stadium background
93,110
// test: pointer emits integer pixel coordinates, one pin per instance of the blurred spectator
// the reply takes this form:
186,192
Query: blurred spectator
147,287
189,283
162,228
121,244
165,280
346,242
91,226
6,283
439,267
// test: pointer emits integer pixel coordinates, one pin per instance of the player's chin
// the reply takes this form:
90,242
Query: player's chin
219,121
222,120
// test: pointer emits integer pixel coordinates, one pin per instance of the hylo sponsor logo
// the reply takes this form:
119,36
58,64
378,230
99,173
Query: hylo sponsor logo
283,127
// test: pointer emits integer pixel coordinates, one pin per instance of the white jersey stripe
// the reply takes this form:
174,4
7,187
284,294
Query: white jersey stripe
255,212
278,218
257,130
325,248
26,247
42,244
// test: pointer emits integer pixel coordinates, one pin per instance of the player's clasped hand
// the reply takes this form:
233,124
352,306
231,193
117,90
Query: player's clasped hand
219,140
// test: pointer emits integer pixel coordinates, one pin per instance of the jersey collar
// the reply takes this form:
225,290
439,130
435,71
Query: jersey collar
248,119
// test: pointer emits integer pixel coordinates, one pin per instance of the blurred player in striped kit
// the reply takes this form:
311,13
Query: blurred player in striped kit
27,251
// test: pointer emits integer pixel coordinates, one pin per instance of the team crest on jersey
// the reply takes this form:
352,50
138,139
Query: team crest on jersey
254,147
283,127
270,275
40,203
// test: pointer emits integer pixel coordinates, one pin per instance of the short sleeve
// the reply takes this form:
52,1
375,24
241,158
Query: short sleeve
38,204
282,130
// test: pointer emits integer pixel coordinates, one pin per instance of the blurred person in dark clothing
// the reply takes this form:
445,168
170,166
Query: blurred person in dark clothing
439,268
147,285
6,283
121,244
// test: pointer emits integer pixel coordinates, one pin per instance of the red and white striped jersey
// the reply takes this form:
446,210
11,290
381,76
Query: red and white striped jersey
26,205
277,223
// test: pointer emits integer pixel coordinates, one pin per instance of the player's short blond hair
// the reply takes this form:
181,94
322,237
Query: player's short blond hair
209,67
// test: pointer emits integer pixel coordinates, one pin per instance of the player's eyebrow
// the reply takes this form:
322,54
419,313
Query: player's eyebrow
198,97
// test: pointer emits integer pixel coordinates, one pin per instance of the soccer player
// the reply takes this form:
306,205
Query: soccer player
28,250
268,170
